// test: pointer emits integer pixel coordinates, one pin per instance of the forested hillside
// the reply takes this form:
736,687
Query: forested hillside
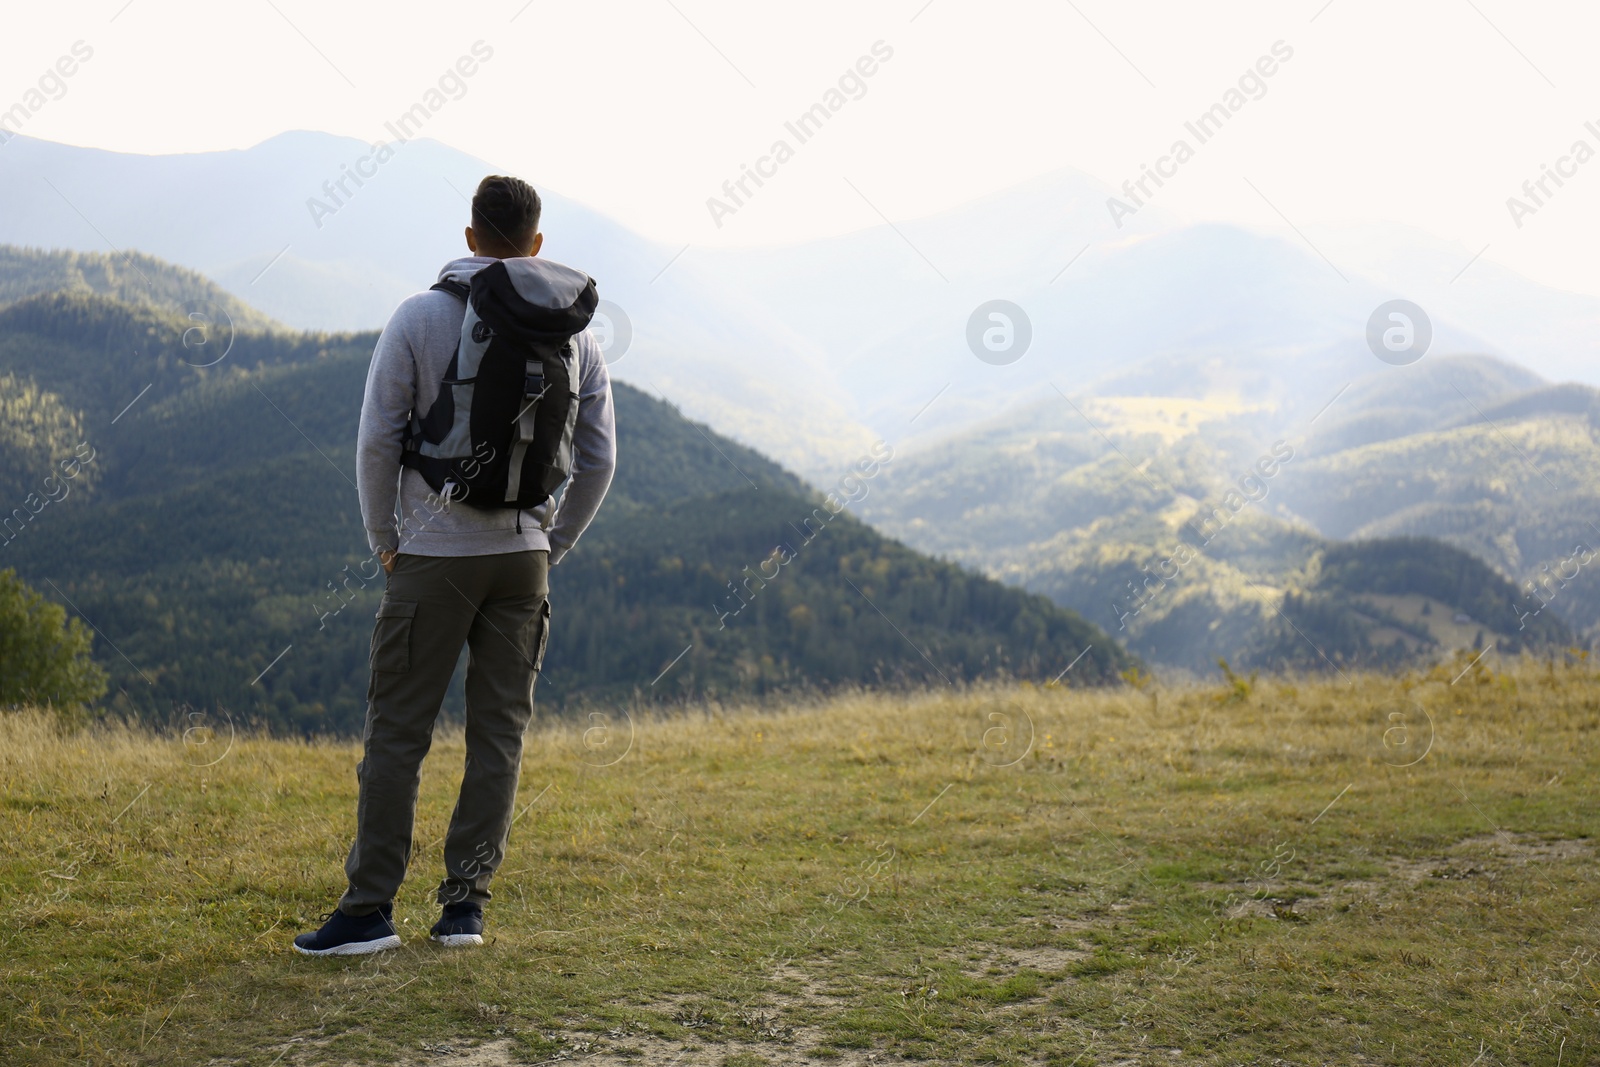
132,277
211,537
1194,529
1386,604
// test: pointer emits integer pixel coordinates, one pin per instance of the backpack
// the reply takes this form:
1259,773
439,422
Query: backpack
499,433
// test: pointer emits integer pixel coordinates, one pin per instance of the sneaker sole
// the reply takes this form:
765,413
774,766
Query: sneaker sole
457,940
353,948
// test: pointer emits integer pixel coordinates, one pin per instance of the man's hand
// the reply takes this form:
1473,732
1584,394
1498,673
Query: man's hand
386,557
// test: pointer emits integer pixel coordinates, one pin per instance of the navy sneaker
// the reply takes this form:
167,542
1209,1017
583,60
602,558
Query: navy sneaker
461,924
350,935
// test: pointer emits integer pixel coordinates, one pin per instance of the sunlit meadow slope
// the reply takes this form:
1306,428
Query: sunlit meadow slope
1378,870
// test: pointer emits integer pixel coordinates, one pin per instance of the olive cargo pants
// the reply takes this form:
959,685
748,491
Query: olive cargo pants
499,607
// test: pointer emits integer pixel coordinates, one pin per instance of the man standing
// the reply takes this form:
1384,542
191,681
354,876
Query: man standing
457,574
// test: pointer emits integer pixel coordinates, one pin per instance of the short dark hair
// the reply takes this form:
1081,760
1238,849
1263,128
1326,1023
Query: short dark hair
505,210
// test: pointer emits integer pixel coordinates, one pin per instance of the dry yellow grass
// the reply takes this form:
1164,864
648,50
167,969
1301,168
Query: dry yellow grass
1390,871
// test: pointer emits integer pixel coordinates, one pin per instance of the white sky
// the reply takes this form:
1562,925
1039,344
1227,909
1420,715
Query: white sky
1423,112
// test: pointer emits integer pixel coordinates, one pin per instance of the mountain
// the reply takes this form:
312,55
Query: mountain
1190,528
1555,332
1164,361
133,278
1386,603
210,534
242,219
1156,308
810,352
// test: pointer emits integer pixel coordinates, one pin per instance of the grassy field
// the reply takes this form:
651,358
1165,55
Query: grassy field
1368,870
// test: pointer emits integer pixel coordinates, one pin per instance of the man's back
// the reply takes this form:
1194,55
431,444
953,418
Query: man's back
410,361
461,575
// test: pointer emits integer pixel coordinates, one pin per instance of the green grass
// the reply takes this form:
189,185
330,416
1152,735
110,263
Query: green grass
1247,881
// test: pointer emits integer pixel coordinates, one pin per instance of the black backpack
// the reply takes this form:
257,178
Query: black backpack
499,434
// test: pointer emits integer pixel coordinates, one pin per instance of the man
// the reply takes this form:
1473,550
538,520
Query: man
456,574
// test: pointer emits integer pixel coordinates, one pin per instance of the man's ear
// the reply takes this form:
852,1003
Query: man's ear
472,241
538,242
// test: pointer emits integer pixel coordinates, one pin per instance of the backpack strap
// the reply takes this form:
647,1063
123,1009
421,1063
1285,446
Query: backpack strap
410,437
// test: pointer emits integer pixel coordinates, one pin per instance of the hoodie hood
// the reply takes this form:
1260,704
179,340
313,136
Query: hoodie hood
541,282
537,299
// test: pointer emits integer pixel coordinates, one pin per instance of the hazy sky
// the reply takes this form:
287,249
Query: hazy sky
1429,113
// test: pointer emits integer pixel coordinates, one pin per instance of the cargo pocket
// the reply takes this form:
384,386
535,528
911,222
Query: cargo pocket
540,635
391,637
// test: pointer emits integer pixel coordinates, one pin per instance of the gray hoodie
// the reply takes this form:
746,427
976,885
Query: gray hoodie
398,508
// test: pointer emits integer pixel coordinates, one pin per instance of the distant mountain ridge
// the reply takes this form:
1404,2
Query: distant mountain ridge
734,336
131,277
240,218
1164,361
214,542
1084,500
